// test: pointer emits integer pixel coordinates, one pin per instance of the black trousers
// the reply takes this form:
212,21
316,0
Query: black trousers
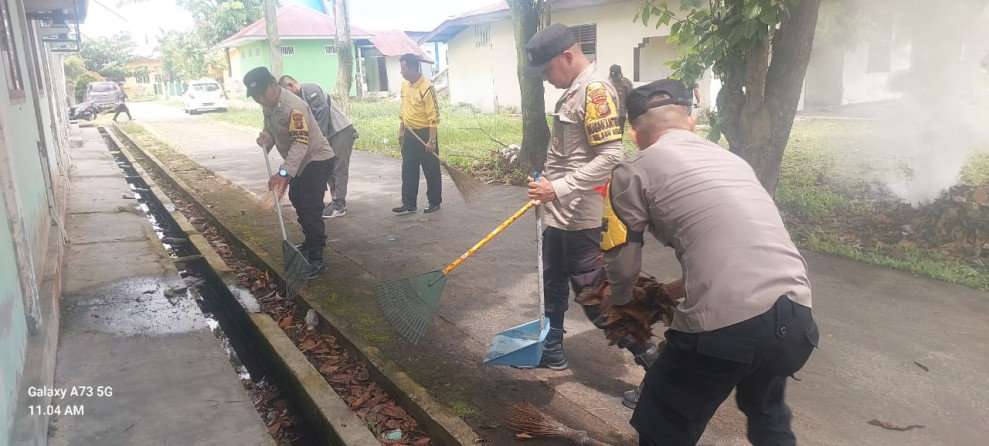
571,259
696,372
122,109
414,155
306,192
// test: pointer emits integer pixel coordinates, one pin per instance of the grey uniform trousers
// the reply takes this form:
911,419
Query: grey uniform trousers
342,143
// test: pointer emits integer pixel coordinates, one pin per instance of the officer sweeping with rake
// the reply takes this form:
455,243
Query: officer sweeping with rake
290,127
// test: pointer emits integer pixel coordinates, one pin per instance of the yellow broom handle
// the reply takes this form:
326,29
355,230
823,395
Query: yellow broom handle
488,238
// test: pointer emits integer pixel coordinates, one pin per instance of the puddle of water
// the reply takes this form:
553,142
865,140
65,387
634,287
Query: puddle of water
137,307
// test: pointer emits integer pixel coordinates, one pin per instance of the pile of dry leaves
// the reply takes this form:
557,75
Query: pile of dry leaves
390,423
651,302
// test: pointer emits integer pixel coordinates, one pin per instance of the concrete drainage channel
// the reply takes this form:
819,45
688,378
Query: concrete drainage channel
223,306
325,414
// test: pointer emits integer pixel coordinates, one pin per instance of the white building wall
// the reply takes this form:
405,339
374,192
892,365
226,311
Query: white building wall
475,76
471,72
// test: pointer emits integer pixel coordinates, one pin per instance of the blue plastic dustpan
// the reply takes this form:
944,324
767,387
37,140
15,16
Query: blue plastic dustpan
522,346
518,346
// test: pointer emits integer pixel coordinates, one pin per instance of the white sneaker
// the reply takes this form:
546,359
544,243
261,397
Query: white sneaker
333,213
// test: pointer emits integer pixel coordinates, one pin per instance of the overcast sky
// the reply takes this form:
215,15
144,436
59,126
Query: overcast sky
145,20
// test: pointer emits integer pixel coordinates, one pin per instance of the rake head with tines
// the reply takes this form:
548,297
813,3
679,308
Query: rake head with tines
409,304
296,267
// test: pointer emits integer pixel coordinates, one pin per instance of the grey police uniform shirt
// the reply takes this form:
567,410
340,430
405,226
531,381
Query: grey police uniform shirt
585,145
296,133
314,96
705,202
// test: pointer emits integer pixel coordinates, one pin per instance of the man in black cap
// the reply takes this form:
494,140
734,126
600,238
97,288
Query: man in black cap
585,145
745,322
290,126
624,87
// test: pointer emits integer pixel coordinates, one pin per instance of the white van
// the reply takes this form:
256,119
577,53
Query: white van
204,95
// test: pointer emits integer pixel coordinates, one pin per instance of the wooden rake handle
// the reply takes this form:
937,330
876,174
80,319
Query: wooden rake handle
488,238
409,130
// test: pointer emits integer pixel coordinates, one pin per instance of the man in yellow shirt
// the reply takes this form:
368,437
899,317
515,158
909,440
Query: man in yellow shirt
420,116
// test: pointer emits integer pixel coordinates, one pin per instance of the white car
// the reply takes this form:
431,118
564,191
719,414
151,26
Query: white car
202,96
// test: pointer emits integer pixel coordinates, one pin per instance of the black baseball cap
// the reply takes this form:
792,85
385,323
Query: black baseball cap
638,100
257,81
548,43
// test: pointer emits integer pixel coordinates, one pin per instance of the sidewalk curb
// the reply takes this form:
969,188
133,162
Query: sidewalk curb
323,409
443,426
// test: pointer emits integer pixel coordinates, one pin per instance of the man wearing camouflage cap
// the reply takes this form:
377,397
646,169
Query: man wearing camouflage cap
290,126
745,323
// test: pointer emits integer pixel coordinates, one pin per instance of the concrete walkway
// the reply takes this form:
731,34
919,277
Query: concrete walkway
877,325
147,368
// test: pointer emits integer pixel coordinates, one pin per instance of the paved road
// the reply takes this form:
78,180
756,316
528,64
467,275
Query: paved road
877,325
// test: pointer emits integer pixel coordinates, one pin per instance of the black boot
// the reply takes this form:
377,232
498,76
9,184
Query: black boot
645,359
316,264
553,356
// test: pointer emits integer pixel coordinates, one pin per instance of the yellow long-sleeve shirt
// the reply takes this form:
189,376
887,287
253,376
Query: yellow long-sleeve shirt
419,108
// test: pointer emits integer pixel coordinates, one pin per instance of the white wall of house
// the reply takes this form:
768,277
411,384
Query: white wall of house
485,74
862,83
471,72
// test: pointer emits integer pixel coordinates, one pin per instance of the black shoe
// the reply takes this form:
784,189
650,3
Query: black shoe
631,398
553,357
303,248
431,208
645,359
404,209
316,268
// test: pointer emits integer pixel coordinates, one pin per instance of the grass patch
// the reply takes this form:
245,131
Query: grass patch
924,262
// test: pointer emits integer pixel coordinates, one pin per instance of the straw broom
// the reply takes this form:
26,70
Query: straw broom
470,189
268,201
524,417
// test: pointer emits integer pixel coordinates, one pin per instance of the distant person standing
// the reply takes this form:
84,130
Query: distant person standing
624,87
338,130
419,116
121,107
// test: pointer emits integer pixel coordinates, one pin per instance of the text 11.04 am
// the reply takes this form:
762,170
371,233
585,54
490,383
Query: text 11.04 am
54,409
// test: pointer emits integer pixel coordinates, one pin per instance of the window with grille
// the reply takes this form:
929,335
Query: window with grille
587,38
11,65
483,35
288,50
330,49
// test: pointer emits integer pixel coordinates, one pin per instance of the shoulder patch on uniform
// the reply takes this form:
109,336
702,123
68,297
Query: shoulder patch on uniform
298,127
601,115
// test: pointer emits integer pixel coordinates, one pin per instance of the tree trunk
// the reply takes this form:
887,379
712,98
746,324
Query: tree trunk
535,132
759,109
274,42
345,53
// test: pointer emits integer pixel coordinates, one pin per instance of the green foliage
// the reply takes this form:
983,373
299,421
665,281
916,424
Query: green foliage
187,56
708,34
82,81
108,56
216,20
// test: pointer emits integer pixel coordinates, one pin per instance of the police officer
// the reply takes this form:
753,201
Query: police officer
585,145
746,322
338,130
290,126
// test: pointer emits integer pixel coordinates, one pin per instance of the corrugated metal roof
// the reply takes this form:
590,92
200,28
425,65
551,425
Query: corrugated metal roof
396,43
294,21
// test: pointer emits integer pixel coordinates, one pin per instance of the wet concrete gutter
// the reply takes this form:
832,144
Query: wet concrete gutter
442,425
322,409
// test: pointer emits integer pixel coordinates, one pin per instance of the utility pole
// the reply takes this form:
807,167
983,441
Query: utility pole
274,42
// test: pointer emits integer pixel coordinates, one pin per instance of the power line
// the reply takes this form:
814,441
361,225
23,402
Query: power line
112,11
